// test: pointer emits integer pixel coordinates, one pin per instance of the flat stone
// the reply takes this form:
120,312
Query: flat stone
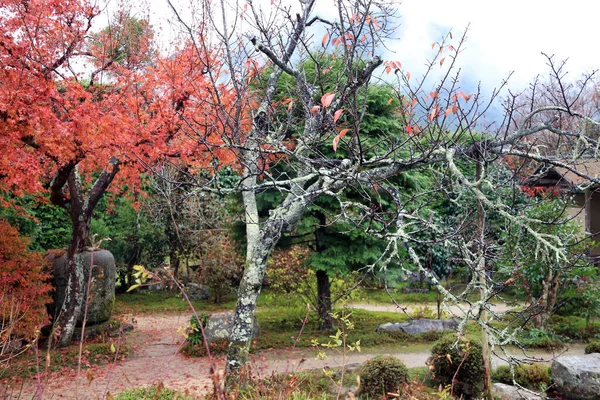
577,377
219,326
509,392
418,326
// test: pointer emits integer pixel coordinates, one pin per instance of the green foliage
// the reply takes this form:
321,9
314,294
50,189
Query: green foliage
157,392
48,226
535,377
523,258
542,338
381,375
194,335
135,238
592,347
458,362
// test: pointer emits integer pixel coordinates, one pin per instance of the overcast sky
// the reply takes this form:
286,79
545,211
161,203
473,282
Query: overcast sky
504,36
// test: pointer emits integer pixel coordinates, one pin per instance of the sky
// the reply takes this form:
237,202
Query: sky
503,36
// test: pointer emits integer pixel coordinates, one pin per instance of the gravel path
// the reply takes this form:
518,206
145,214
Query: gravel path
156,359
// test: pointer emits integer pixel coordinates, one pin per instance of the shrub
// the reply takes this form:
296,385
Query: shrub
593,347
460,365
194,336
540,338
381,375
23,288
534,377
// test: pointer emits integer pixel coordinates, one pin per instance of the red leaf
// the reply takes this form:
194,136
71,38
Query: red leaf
388,69
325,38
327,98
442,61
340,135
338,114
409,129
432,45
315,110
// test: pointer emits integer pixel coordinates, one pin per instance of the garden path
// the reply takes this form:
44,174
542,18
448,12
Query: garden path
156,359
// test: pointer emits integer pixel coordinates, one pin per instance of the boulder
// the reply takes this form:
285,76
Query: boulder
509,392
197,292
418,326
219,326
577,377
102,294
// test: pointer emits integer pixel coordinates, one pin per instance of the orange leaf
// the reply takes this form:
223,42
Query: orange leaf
340,135
442,61
290,105
364,38
448,111
327,98
407,75
325,38
388,69
390,101
432,45
337,115
315,110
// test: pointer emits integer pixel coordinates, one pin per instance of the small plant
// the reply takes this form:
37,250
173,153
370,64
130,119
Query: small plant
194,333
534,377
593,347
458,363
382,375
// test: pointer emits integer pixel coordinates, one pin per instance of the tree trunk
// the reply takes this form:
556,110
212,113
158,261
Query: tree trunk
482,271
81,209
75,292
324,301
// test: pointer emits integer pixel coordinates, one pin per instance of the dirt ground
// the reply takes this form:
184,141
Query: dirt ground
156,359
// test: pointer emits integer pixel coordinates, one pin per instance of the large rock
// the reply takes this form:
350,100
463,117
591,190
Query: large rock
418,326
219,326
509,392
102,294
197,292
577,377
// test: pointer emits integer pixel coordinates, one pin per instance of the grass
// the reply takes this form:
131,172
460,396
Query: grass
148,302
157,392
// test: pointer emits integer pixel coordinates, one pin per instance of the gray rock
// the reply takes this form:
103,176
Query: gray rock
197,292
577,376
219,326
102,295
418,326
509,392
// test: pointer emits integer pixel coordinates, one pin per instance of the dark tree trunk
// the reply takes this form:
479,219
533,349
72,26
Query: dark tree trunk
324,301
81,209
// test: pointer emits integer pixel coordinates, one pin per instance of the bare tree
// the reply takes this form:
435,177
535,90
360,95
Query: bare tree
293,124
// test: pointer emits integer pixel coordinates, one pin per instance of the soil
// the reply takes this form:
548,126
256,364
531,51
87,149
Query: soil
156,359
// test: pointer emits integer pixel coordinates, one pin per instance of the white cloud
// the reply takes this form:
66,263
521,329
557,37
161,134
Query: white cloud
504,36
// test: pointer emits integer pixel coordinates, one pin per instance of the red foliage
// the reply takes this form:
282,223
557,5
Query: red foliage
23,287
541,191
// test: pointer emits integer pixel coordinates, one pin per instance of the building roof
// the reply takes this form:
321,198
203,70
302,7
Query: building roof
552,175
